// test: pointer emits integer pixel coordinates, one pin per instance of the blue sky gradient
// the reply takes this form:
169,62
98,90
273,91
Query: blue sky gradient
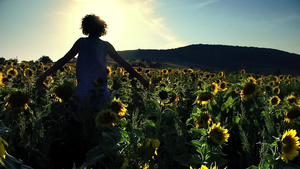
30,29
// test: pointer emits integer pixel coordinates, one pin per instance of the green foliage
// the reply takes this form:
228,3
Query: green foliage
165,126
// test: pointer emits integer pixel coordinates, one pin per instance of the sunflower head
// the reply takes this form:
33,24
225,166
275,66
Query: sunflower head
276,90
49,80
22,65
106,118
155,143
218,134
248,91
223,86
281,77
293,99
117,106
163,95
203,120
174,98
28,72
292,114
243,71
18,100
221,74
252,79
215,88
3,80
184,71
205,97
108,69
139,70
12,72
289,145
65,91
165,71
275,100
211,167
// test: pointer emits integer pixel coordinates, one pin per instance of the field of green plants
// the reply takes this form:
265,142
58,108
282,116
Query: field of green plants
185,119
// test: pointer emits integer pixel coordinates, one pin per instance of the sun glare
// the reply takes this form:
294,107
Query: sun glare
132,24
109,11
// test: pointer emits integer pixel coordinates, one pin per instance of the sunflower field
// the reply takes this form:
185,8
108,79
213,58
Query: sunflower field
185,119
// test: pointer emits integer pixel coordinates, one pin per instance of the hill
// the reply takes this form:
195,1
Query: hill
222,57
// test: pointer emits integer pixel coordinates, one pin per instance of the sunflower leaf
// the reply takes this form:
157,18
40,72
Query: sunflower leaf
151,123
227,104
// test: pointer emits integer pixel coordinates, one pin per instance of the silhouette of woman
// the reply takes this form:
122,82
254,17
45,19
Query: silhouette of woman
91,65
91,62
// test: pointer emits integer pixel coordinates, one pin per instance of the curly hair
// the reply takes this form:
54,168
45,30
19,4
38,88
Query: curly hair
93,25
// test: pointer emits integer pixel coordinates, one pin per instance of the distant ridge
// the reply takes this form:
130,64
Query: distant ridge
223,57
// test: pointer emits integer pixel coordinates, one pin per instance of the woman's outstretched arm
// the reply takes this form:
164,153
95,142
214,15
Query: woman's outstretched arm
117,58
68,56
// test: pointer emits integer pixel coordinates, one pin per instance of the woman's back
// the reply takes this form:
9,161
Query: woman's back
91,64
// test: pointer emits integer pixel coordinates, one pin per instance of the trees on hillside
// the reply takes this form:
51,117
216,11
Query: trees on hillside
45,59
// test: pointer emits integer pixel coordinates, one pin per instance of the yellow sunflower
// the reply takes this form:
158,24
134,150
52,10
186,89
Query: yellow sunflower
243,71
106,118
65,91
174,98
2,149
163,95
276,90
281,77
12,72
221,74
223,85
190,70
218,134
215,88
290,145
145,166
117,106
275,100
108,68
274,78
211,167
252,79
292,114
248,91
213,75
272,83
292,99
184,71
155,144
22,65
18,99
49,80
28,72
1,80
165,71
203,120
205,97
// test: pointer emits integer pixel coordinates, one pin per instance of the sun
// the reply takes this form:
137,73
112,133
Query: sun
112,12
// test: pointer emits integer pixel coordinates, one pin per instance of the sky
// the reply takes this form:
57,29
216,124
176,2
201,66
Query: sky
30,29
